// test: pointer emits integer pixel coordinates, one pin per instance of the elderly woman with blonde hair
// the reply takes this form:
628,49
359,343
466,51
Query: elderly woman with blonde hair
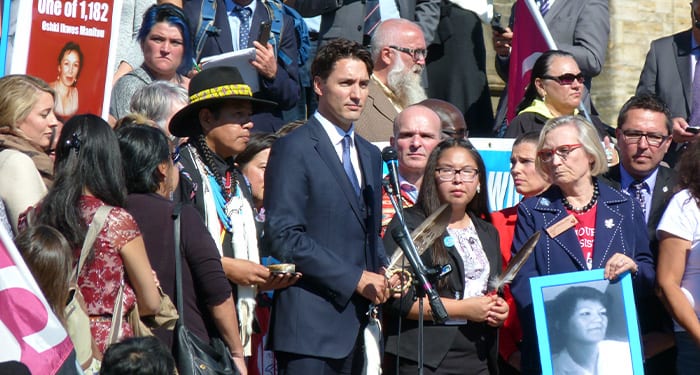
585,224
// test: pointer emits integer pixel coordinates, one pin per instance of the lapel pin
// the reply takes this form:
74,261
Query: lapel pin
448,241
544,202
609,223
664,189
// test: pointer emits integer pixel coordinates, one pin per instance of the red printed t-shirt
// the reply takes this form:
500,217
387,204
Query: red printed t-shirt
585,231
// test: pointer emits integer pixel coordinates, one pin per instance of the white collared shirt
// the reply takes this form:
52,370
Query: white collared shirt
336,135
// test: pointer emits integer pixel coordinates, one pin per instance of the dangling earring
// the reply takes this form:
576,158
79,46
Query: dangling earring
478,189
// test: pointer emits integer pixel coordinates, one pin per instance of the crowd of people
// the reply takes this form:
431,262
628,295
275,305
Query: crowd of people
253,187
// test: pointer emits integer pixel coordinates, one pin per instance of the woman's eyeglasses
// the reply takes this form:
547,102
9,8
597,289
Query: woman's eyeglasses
566,79
547,154
448,174
632,137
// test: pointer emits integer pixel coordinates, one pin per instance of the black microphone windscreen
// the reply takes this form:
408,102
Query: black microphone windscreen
389,154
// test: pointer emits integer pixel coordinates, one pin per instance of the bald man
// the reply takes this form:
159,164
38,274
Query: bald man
398,52
451,118
417,130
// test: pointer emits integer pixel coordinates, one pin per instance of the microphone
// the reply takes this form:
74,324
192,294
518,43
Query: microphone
391,158
401,236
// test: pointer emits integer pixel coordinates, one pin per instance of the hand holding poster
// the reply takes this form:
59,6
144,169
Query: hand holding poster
68,44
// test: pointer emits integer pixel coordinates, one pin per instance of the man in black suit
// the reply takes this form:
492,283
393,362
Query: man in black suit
644,128
278,81
323,202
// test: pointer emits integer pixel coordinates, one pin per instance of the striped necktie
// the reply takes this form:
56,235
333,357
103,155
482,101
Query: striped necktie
372,17
544,7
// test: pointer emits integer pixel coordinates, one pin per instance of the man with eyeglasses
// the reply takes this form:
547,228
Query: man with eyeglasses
398,53
644,135
670,73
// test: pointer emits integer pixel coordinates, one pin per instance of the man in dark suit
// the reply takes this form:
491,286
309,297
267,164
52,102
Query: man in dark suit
278,81
669,73
644,135
322,196
345,19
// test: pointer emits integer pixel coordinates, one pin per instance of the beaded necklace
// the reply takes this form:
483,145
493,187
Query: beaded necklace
588,206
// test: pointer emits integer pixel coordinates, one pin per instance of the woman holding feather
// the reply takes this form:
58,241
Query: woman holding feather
455,175
584,224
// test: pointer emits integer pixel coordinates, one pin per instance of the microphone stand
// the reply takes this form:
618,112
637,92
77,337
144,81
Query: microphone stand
437,308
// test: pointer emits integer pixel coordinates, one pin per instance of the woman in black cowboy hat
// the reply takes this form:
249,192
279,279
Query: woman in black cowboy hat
218,122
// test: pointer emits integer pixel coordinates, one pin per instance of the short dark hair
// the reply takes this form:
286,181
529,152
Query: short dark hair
336,50
173,15
527,137
72,46
650,102
138,356
143,148
258,142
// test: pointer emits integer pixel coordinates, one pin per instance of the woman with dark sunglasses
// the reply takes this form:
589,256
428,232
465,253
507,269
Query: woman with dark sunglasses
556,89
584,223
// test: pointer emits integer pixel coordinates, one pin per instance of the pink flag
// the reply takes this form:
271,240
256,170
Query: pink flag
528,45
29,331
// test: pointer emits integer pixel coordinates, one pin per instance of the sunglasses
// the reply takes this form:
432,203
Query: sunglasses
566,79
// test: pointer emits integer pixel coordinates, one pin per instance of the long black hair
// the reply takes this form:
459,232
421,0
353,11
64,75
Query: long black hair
87,159
429,200
143,149
539,70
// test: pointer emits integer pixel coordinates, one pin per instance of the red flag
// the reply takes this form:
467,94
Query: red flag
528,45
29,331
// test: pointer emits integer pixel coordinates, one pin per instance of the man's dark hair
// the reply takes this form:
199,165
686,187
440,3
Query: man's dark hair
336,50
649,102
138,356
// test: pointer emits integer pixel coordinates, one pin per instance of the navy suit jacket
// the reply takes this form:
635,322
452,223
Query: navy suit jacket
315,220
619,228
666,180
284,89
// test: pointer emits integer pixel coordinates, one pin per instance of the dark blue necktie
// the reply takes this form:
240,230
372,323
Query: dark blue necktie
372,16
243,14
347,165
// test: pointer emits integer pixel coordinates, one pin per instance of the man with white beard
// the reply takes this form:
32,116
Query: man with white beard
398,51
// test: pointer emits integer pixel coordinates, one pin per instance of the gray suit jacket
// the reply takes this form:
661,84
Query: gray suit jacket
344,18
666,73
580,27
376,124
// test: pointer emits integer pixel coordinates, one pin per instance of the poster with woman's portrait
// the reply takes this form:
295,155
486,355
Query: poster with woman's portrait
68,43
4,26
586,324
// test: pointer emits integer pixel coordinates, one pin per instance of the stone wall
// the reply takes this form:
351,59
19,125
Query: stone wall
633,25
